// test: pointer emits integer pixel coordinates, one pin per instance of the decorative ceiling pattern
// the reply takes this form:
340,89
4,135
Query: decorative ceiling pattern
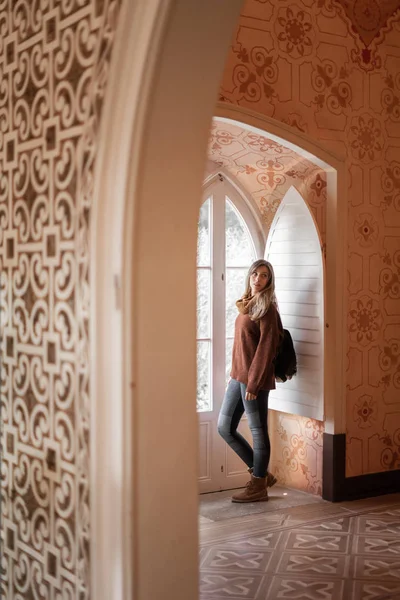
266,170
369,17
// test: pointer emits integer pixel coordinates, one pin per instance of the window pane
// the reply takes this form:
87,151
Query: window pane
203,302
203,235
235,284
239,247
203,376
228,362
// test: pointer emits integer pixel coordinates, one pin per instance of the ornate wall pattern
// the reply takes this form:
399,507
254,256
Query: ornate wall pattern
331,69
54,58
266,170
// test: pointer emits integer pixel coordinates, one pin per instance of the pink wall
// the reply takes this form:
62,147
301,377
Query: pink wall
303,63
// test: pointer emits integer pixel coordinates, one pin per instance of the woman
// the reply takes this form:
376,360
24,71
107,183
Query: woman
258,329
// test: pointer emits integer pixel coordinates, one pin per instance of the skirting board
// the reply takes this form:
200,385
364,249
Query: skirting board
336,487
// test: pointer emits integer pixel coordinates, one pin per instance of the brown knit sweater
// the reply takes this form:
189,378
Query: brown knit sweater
254,349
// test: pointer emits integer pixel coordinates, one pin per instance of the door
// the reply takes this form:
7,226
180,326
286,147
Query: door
228,243
294,250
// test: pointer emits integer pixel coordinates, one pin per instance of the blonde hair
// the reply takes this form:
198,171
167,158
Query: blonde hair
258,305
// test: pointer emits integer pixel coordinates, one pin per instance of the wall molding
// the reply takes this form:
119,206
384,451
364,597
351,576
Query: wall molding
336,487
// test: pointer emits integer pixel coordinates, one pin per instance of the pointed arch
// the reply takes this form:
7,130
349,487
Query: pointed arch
295,251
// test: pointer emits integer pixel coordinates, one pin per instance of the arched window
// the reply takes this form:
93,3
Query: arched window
229,240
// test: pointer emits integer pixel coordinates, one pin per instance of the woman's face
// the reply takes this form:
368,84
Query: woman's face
259,279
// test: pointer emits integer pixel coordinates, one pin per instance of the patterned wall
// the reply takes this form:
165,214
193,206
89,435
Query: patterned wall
307,63
266,170
300,62
54,59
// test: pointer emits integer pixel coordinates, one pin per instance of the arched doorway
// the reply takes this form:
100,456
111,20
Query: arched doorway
155,122
336,259
262,166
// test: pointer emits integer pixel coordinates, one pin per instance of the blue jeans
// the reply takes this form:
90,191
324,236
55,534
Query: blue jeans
232,409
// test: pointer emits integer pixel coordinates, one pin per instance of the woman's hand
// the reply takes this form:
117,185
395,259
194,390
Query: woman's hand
249,396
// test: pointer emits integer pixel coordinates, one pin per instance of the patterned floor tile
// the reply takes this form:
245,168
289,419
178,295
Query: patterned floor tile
229,585
385,569
237,559
317,542
306,589
387,511
316,552
375,590
378,546
335,525
379,525
313,564
266,541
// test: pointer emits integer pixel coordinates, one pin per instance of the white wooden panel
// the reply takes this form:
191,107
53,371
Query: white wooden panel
309,362
284,393
291,246
300,258
303,272
307,348
296,284
301,310
289,234
305,384
306,335
304,297
311,323
285,221
293,206
294,249
296,408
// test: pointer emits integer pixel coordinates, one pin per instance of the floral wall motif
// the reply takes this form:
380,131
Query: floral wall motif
266,170
331,69
369,17
54,60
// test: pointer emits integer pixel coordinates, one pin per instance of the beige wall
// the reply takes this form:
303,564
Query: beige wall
302,63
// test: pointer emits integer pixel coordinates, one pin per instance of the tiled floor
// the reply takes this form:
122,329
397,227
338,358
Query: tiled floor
313,551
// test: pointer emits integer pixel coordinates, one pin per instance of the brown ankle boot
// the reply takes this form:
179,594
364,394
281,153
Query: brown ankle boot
255,491
271,479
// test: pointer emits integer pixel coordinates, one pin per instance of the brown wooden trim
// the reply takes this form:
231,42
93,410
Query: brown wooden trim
334,466
337,487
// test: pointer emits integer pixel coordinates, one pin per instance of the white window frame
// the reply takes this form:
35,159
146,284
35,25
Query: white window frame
218,187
